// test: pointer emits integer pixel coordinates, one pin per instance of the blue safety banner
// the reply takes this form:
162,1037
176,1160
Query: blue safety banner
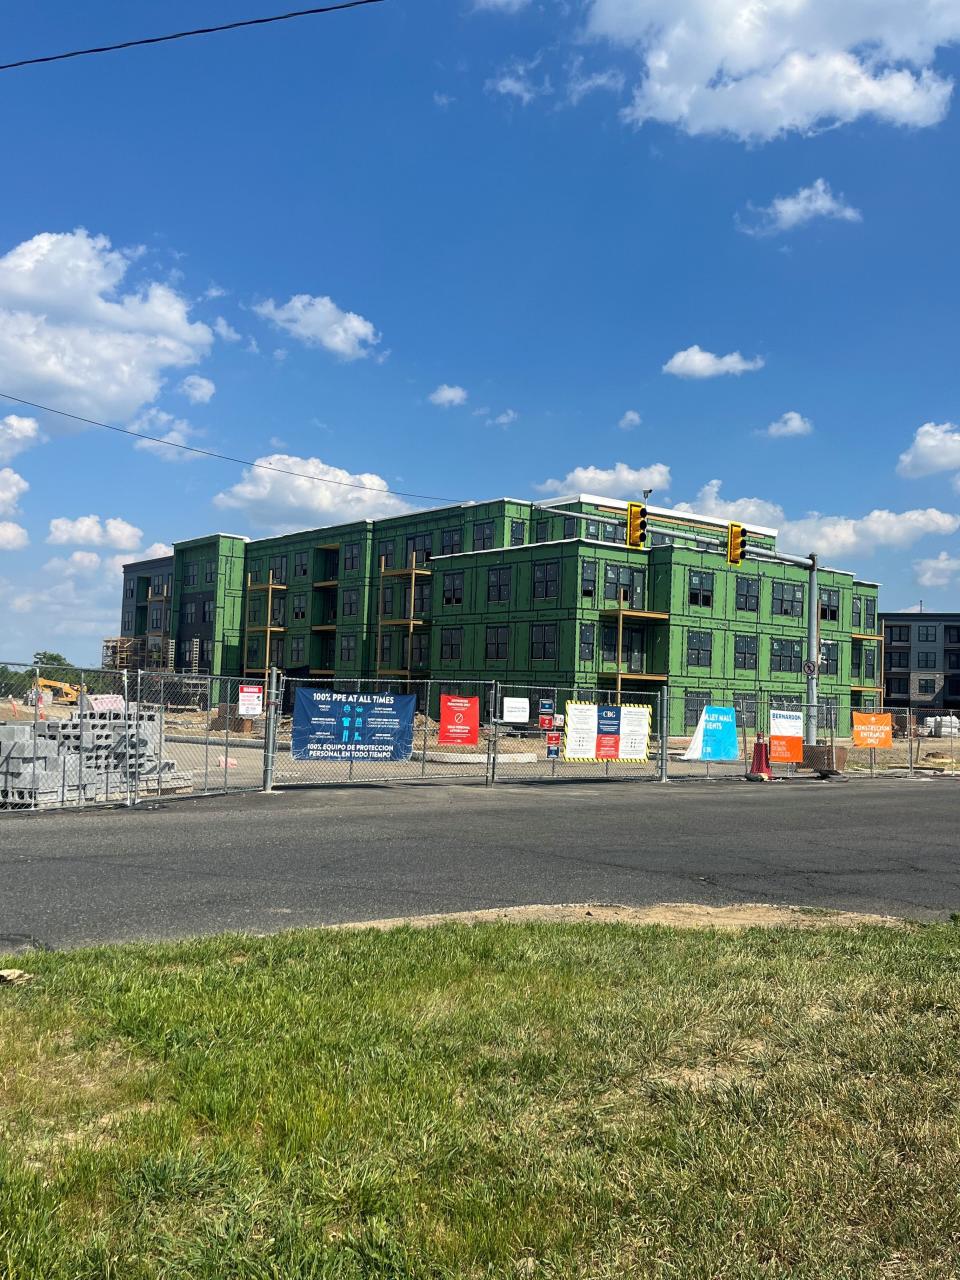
360,726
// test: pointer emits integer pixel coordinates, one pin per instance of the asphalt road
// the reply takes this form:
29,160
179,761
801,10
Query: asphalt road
259,863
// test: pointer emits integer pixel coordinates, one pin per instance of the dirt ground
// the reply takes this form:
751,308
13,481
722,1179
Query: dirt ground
681,915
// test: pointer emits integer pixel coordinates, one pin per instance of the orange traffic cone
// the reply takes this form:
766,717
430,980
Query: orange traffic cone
761,759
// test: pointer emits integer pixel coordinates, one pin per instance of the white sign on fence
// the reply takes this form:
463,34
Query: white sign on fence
516,710
250,701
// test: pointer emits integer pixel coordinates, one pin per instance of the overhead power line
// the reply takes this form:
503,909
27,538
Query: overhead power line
184,35
226,457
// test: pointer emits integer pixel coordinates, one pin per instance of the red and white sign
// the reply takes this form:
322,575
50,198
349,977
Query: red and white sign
106,702
459,721
553,739
546,722
786,737
250,701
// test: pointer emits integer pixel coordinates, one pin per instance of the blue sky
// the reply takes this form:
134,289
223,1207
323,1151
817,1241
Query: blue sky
282,242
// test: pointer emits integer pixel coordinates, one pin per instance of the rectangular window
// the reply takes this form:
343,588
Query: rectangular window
546,580
210,571
388,601
746,708
498,644
255,611
190,574
483,535
518,533
451,541
951,635
898,635
926,688
190,613
611,581
127,623
786,655
926,635
421,599
588,632
388,550
301,564
608,643
276,651
541,533
278,610
870,663
208,610
898,686
278,567
588,579
206,651
695,701
498,585
256,570
543,642
870,614
349,602
787,600
156,618
348,647
953,688
157,585
898,659
699,648
253,651
593,529
745,653
701,589
829,658
453,588
451,644
856,660
748,595
829,604
299,607
857,616
927,660
297,646
570,526
386,648
351,555
419,653
953,660
129,589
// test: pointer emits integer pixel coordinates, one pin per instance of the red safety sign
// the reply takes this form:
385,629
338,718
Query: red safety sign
546,722
459,721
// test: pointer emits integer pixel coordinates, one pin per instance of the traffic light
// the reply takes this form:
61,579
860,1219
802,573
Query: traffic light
637,525
736,543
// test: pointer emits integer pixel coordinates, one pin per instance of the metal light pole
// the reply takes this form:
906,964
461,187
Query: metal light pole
813,655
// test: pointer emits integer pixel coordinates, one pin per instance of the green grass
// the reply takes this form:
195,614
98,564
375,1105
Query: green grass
539,1100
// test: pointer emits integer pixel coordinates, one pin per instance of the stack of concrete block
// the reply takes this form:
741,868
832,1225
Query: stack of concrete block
90,757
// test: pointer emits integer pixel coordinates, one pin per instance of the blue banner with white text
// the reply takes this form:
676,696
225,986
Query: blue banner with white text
360,726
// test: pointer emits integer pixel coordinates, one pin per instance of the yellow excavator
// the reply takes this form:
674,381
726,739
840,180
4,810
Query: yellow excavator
59,690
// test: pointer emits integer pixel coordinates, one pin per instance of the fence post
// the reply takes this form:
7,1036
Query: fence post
270,731
80,758
36,716
664,710
491,716
161,729
206,745
910,739
126,734
426,726
226,737
496,732
136,743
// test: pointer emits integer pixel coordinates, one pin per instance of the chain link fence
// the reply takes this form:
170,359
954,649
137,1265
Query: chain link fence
71,737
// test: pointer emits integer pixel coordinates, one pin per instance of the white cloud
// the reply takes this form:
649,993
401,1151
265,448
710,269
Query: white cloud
790,424
319,322
223,329
579,85
825,534
618,481
447,397
935,448
629,420
760,70
503,419
13,537
166,430
442,100
81,563
198,390
70,607
214,291
16,435
507,6
319,495
786,213
12,489
940,571
515,81
89,531
156,550
70,338
697,363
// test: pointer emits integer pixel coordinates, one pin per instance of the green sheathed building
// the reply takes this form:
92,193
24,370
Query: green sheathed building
541,594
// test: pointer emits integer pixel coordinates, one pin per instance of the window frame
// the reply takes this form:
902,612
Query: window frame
792,594
484,535
499,638
699,646
546,573
547,643
746,646
744,594
500,584
451,644
700,583
452,588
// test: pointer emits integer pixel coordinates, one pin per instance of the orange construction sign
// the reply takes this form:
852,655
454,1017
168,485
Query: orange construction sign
872,730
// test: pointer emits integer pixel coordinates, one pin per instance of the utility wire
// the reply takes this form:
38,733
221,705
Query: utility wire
226,457
183,35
